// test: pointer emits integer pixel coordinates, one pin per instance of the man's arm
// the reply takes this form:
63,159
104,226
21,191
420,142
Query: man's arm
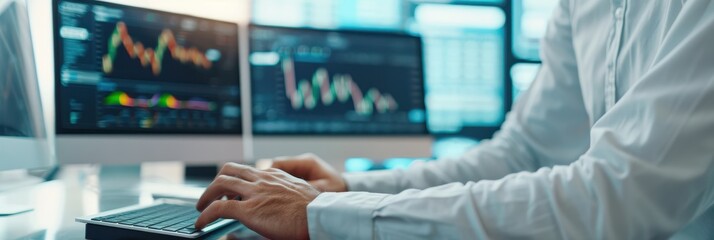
270,200
548,126
648,172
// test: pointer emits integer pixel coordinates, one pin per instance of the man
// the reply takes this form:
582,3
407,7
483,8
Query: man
615,140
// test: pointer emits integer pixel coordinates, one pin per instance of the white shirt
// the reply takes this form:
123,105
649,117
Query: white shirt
614,140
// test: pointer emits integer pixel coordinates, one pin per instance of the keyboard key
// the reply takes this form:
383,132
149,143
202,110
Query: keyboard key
142,219
130,222
177,227
159,226
112,220
157,220
168,223
187,223
143,224
187,218
165,224
188,230
123,218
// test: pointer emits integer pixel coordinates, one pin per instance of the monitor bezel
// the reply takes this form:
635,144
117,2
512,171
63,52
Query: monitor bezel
58,56
420,53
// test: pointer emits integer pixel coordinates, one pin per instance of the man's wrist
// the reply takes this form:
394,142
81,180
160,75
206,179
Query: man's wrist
329,213
383,181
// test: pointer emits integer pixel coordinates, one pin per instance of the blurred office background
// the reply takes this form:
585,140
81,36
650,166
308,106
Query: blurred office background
480,54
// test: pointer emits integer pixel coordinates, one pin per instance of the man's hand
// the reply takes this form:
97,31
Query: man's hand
314,170
271,202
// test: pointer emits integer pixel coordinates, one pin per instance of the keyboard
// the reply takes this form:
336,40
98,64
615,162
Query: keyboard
170,219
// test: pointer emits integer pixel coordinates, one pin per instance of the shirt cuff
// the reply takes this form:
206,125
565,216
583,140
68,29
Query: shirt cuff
384,181
343,215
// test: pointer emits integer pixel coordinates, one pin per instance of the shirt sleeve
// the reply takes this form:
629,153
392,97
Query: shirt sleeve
649,169
548,126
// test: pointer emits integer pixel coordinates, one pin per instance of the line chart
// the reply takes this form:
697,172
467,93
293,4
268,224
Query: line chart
151,57
341,88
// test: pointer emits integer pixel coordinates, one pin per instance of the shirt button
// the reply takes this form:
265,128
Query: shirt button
619,12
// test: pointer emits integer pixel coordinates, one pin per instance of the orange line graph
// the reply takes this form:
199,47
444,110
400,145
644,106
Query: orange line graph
151,57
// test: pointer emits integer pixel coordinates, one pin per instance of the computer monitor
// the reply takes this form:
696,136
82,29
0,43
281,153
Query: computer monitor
530,20
23,140
136,85
338,94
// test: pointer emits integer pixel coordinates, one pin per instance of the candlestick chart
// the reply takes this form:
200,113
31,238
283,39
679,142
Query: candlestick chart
341,88
151,57
318,82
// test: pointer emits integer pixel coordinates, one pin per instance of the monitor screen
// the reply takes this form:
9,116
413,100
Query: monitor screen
306,81
122,69
16,118
530,20
23,140
464,48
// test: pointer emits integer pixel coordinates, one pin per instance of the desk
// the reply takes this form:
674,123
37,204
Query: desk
80,191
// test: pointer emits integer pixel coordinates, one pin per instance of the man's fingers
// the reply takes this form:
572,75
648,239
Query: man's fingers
240,171
219,209
298,167
223,186
283,162
301,156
